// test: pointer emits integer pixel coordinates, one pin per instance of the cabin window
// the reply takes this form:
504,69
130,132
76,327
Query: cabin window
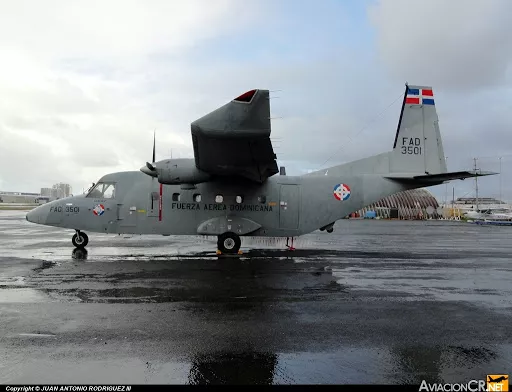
262,199
103,190
219,199
239,199
176,197
109,191
197,198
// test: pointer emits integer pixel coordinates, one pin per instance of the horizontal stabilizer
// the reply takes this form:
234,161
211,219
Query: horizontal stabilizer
439,178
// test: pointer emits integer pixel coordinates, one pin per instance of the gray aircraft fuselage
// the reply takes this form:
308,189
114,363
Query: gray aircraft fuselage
238,192
284,206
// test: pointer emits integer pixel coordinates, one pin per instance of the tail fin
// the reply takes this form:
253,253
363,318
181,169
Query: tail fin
418,147
418,155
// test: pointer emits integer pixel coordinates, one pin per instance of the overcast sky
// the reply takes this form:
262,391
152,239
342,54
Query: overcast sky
84,83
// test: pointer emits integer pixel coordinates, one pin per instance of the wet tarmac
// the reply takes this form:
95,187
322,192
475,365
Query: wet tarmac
374,302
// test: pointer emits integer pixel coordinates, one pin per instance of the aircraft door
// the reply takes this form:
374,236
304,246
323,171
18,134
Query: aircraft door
153,204
127,215
289,206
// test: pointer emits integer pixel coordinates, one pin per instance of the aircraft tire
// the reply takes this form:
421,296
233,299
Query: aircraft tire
82,242
229,243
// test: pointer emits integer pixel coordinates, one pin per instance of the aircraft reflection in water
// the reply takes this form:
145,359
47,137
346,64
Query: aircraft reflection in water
398,366
79,254
246,368
230,188
262,321
418,364
408,366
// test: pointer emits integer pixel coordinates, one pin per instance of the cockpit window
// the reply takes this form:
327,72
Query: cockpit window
103,190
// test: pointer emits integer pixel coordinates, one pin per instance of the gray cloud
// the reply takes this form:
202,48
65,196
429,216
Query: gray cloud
73,106
76,111
463,44
464,50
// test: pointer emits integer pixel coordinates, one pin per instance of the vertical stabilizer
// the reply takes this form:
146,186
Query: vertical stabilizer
418,147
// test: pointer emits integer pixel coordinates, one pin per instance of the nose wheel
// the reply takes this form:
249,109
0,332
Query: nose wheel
229,243
80,240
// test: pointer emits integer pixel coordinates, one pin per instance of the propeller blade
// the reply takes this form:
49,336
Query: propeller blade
149,169
154,145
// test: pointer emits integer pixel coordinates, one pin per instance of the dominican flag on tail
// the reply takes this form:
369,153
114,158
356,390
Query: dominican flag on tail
419,96
417,136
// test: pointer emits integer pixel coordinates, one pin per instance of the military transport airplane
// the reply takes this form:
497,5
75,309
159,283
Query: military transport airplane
230,188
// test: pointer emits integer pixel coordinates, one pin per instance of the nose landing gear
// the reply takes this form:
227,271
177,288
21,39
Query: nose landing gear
80,239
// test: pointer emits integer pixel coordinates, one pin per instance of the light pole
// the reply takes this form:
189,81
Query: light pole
476,182
446,185
500,178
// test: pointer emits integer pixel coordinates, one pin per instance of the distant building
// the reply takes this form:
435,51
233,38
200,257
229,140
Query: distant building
60,190
481,200
57,191
19,193
18,197
465,204
410,204
42,199
46,192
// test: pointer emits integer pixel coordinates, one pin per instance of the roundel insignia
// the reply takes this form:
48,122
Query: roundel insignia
98,209
341,192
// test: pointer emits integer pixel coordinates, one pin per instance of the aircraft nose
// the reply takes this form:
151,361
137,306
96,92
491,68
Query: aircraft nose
31,216
37,215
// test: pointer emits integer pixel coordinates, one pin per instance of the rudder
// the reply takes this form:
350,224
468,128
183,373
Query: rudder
418,147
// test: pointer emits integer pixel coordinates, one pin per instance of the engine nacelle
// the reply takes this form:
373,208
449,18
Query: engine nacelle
176,171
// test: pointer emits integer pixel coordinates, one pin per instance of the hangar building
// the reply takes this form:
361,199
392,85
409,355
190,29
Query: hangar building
411,204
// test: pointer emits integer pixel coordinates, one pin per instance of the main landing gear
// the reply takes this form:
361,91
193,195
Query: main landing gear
329,228
229,244
290,247
80,239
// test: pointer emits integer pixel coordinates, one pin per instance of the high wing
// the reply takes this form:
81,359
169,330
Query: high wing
234,140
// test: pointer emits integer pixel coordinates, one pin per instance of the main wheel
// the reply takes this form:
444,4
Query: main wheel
80,240
229,243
